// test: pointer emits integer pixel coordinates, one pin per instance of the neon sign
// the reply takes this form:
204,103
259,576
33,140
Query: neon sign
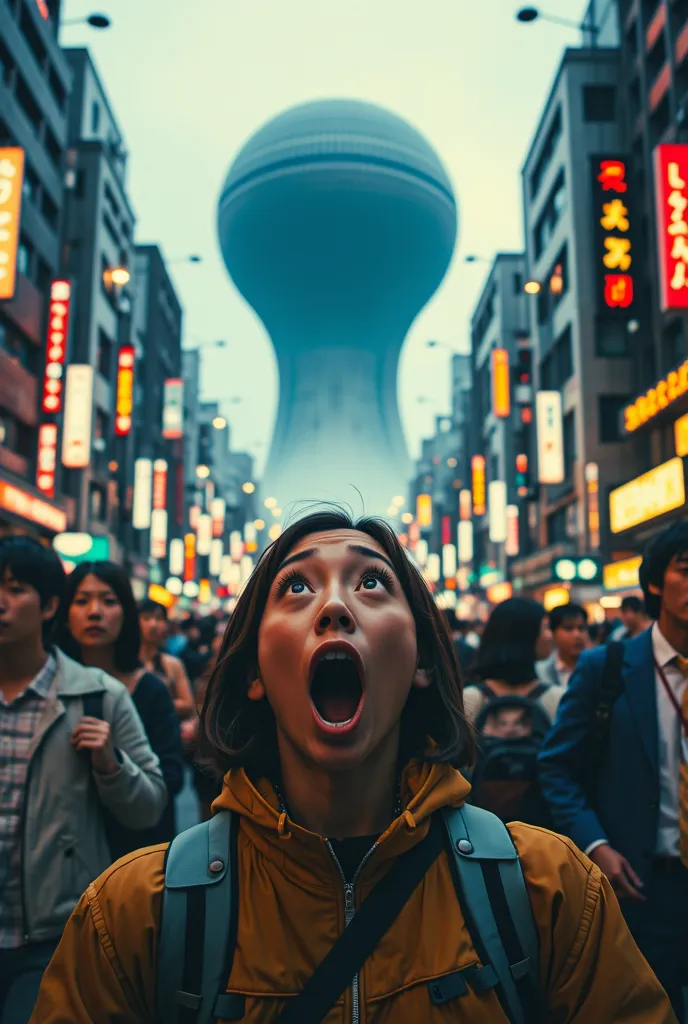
613,231
671,197
56,350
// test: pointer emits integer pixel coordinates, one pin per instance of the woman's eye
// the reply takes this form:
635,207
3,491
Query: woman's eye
297,587
371,583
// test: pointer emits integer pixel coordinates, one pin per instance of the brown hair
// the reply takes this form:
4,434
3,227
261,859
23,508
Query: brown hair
237,732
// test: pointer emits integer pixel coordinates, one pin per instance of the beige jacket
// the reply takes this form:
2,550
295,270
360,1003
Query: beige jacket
64,845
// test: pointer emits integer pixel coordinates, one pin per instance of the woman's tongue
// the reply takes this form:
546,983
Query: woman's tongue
336,693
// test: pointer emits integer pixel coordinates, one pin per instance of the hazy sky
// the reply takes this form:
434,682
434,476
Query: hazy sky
190,81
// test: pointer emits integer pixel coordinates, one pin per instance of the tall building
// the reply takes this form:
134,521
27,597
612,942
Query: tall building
99,260
500,430
34,93
581,259
337,223
437,477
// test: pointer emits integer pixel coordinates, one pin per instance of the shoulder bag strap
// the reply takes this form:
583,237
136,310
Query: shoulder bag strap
198,927
93,704
358,940
610,688
493,895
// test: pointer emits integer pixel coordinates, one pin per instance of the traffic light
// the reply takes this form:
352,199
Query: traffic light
522,475
582,570
524,366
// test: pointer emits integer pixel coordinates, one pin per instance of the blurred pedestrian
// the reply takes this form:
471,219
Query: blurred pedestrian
98,625
58,770
196,653
512,710
634,616
153,623
614,767
464,651
569,625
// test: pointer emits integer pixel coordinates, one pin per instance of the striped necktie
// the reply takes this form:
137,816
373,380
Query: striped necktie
682,664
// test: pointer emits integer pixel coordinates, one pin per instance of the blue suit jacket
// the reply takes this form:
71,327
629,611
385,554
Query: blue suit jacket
626,807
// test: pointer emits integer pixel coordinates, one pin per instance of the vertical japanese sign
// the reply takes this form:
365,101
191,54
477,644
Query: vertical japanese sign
56,348
189,557
125,390
11,182
158,533
478,482
592,486
613,252
160,484
47,459
671,198
465,505
143,491
512,544
501,384
76,431
218,509
497,523
173,408
424,510
550,437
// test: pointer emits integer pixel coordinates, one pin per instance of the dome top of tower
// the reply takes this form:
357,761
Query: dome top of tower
338,130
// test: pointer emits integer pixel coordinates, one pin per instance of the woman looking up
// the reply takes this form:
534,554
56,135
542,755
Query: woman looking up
154,625
335,716
98,625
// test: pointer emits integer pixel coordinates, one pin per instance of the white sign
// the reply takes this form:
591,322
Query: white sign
449,561
422,553
76,433
496,499
143,494
512,546
465,542
158,533
236,546
173,408
176,557
216,554
434,567
226,570
550,437
204,534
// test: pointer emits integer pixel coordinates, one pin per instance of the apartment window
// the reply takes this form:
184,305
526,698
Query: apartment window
610,413
35,43
611,338
110,230
517,281
569,444
105,349
557,367
49,210
556,527
24,252
95,117
57,88
673,344
53,148
549,218
17,347
27,103
31,185
546,154
97,502
599,103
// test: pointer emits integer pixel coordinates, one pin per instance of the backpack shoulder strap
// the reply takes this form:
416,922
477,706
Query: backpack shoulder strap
93,704
198,927
494,897
610,688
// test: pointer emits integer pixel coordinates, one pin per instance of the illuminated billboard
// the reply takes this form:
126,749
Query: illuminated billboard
143,492
501,384
47,459
478,485
76,430
160,484
648,496
56,345
497,511
173,409
656,399
550,437
671,202
614,269
424,510
11,183
125,390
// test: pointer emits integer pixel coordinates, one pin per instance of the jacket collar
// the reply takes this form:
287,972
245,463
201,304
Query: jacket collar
641,692
425,789
73,679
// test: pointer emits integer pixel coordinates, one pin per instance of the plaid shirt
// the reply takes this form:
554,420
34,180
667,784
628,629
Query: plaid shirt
18,723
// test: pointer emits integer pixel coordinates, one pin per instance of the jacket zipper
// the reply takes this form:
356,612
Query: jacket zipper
349,912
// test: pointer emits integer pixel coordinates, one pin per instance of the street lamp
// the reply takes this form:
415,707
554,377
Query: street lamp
528,14
99,21
185,259
219,423
202,472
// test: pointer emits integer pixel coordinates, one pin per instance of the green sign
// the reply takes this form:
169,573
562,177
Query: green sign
75,548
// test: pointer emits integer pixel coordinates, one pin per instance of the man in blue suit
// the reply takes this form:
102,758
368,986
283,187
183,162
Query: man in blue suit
629,818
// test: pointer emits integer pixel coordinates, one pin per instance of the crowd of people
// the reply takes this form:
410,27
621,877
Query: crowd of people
332,706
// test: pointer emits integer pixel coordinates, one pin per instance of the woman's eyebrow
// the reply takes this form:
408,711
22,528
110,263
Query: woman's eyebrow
301,556
361,549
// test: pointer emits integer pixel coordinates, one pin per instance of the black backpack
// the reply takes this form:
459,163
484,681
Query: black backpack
511,730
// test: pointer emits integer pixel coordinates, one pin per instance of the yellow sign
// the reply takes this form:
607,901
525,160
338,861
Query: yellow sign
665,391
648,496
622,575
11,181
161,595
681,435
424,510
499,592
555,596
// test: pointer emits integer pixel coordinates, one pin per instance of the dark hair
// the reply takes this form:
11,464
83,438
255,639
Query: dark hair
559,615
126,653
238,732
633,604
189,623
507,647
36,565
148,605
658,554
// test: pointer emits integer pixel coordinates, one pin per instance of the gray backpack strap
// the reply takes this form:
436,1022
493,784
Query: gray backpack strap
196,932
495,897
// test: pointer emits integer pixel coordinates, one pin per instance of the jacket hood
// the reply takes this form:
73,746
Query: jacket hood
425,789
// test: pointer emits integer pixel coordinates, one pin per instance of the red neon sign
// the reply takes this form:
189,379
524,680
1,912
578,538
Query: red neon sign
671,196
125,390
47,459
56,349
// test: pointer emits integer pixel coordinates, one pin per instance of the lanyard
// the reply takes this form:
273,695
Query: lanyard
672,697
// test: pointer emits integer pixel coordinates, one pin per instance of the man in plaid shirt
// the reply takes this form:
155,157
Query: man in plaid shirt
52,840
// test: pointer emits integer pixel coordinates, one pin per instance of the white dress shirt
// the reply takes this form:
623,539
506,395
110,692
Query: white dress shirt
669,748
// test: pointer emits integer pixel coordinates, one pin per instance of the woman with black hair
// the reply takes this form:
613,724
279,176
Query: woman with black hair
153,623
98,626
335,716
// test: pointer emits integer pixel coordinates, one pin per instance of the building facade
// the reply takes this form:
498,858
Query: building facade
34,96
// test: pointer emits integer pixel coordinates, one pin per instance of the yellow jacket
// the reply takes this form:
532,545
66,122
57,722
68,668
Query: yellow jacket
291,911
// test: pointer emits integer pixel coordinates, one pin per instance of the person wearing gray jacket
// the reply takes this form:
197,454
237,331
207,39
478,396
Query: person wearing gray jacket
59,769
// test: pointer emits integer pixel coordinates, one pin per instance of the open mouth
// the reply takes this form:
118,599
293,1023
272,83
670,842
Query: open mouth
336,689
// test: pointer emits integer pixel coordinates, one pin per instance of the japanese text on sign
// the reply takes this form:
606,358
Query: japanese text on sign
125,390
47,459
614,228
671,179
478,482
11,181
56,349
664,392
